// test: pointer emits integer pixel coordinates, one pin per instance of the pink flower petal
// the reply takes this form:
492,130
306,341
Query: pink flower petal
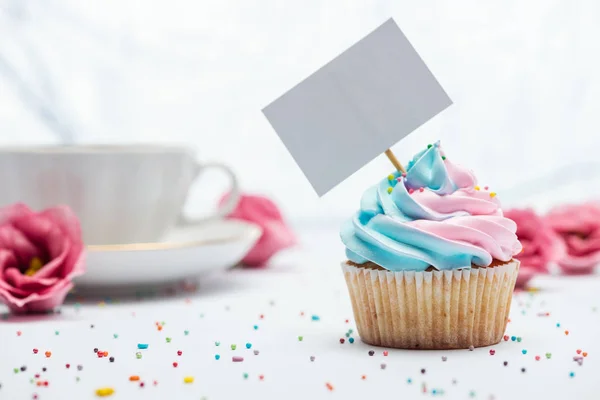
14,240
16,279
38,302
13,212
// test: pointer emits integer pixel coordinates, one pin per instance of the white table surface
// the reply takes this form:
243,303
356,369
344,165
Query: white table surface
307,280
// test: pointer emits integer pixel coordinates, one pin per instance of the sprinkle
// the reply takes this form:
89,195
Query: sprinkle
103,392
168,339
578,351
421,189
567,333
471,348
584,354
312,358
486,187
389,190
385,353
329,386
371,353
383,365
558,324
363,377
79,367
524,351
48,354
492,352
342,340
390,177
519,339
217,356
315,318
237,359
179,352
245,375
423,371
233,347
95,349
548,355
256,352
68,366
429,146
112,359
444,158
513,338
571,374
409,381
300,338
506,338
175,364
444,358
16,370
105,354
188,379
492,194
56,333
142,346
134,378
351,340
142,384
523,370
411,191
261,377
138,355
186,332
477,188
537,358
115,336
217,343
35,351
505,363
255,327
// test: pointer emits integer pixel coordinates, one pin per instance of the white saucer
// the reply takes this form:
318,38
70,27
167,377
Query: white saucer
185,253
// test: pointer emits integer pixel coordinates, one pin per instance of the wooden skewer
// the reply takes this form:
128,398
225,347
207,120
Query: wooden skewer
394,160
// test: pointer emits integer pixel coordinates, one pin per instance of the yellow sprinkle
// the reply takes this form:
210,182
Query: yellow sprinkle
188,379
390,190
103,392
493,194
34,266
390,177
477,188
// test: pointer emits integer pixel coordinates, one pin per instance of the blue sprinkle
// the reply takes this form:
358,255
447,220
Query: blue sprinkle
255,327
217,356
248,345
434,392
409,380
524,351
572,374
558,324
513,338
142,346
315,318
351,340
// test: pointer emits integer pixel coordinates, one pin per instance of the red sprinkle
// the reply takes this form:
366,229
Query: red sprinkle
342,340
68,366
261,377
179,352
421,189
347,321
19,333
35,351
506,338
45,383
175,364
492,352
155,383
262,316
537,358
385,353
142,384
578,351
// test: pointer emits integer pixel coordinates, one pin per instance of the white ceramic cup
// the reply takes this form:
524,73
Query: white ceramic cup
121,193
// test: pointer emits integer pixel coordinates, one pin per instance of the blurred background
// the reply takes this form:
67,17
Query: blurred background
523,76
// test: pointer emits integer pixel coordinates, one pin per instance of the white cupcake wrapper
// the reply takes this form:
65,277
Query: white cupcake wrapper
431,310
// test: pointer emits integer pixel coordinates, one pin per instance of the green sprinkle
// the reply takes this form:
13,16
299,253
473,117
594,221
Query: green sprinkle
16,370
115,336
519,339
233,347
347,334
472,393
245,375
56,333
168,339
77,379
300,338
350,331
138,355
443,157
548,355
163,323
429,146
217,343
186,332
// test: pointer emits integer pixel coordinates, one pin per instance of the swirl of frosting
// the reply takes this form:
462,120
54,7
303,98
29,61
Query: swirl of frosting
434,215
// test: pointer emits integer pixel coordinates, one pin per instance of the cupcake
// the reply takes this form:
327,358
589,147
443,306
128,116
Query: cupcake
430,259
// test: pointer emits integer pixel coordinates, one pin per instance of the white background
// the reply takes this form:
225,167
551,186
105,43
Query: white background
523,76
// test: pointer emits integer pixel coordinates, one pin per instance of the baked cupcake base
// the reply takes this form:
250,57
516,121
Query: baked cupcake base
433,309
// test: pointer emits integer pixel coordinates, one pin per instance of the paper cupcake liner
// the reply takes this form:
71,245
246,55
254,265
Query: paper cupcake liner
431,310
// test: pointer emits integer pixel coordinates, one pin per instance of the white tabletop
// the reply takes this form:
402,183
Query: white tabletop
280,302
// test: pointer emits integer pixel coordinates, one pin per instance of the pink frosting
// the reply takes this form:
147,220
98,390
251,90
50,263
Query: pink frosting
541,245
276,235
53,238
579,227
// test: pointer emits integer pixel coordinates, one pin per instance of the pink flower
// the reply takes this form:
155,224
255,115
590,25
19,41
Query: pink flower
579,227
541,245
40,253
276,234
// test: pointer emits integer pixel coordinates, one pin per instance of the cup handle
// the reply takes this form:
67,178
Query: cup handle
225,209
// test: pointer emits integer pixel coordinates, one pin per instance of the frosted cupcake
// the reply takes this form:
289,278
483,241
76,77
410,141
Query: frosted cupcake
430,259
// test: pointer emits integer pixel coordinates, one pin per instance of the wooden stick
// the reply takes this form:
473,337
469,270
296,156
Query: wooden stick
394,160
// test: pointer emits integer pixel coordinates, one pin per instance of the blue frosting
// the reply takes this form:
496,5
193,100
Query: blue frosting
378,231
